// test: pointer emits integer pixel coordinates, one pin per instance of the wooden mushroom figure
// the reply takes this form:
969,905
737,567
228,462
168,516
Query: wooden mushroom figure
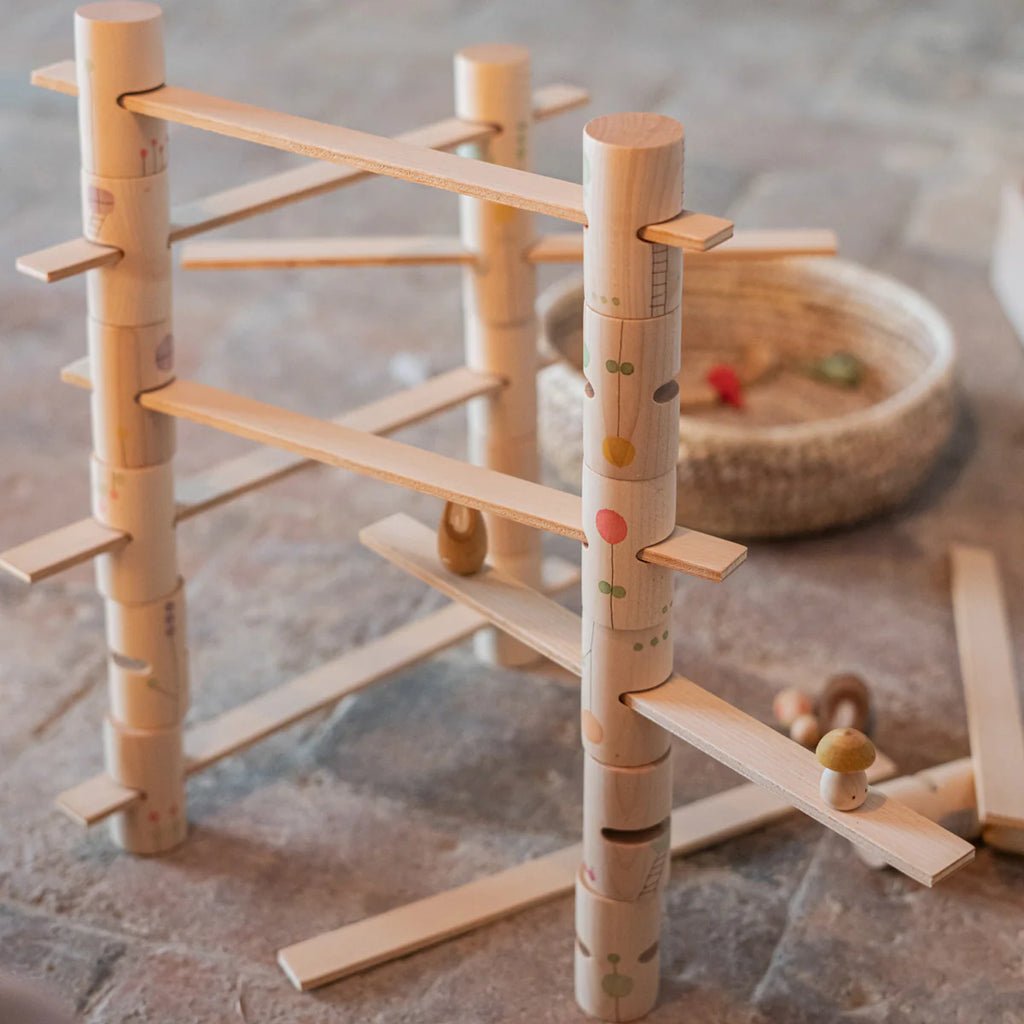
845,754
462,539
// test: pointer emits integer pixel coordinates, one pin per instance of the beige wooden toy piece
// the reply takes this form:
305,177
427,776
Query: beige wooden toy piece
119,50
462,539
990,691
846,755
499,295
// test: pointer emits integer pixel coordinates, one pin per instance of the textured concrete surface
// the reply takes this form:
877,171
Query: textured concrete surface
893,123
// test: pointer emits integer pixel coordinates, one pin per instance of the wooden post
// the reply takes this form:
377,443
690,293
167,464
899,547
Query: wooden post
492,85
118,50
632,176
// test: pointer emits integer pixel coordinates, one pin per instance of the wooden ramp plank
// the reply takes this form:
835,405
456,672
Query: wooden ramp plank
917,847
61,549
990,687
286,253
417,469
79,542
95,799
426,922
67,259
557,98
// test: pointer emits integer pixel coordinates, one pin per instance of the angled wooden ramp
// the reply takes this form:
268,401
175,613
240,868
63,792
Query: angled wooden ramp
906,840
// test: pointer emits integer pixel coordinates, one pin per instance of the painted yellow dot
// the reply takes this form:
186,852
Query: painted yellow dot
618,451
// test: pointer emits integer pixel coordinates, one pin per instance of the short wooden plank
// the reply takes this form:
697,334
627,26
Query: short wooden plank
59,77
907,840
61,549
990,687
67,260
77,373
426,922
334,444
567,246
95,799
557,98
285,253
553,631
693,232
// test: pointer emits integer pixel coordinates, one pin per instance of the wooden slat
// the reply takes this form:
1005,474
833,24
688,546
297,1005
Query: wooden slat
95,799
557,98
416,469
54,552
235,730
77,373
907,840
67,259
426,922
59,77
990,687
282,253
567,246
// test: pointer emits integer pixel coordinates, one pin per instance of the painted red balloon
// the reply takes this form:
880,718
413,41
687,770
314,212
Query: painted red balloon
611,526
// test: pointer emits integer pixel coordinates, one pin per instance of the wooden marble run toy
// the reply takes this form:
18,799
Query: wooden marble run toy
632,247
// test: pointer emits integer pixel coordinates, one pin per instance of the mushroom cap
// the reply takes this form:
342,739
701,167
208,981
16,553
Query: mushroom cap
845,687
846,750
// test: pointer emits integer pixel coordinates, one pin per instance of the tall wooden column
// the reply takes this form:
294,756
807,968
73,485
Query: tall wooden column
492,85
632,176
118,50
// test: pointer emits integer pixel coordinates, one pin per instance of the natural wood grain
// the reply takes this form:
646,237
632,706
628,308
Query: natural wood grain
336,445
279,253
557,98
990,687
205,744
908,841
426,922
567,246
61,549
67,260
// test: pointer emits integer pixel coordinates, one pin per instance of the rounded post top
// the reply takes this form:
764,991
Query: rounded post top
119,11
500,54
635,131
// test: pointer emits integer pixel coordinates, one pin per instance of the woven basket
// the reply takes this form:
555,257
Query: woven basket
804,455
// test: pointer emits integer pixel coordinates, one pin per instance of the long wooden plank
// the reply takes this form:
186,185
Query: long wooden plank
284,253
416,469
209,742
908,841
61,549
79,542
67,259
426,922
755,244
990,687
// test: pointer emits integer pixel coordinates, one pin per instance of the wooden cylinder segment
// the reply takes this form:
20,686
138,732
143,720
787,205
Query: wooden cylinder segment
141,503
626,865
132,214
123,362
617,956
632,177
492,86
151,761
148,661
627,799
618,661
119,49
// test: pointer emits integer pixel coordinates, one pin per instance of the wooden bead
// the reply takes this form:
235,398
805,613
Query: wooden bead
805,730
617,954
462,539
790,704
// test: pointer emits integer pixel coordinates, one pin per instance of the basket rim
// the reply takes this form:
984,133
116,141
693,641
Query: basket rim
891,408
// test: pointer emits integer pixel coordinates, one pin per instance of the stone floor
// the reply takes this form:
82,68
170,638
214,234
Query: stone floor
894,124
